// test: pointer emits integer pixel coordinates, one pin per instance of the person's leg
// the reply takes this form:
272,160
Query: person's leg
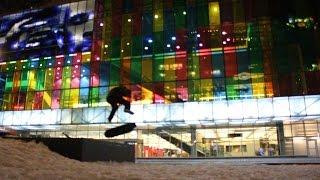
114,105
126,105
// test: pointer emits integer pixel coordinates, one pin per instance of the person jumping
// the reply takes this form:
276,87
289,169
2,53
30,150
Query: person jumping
118,96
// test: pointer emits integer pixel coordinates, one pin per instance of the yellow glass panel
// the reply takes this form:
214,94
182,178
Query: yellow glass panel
126,25
238,12
170,92
29,100
147,94
86,57
46,100
147,70
258,90
169,69
158,20
74,97
126,44
65,98
214,13
7,102
32,80
16,79
48,79
206,90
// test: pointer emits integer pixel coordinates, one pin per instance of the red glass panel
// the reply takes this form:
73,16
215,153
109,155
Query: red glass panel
125,71
181,71
205,66
136,23
57,78
182,90
94,74
38,97
75,77
181,39
230,64
55,99
76,59
59,61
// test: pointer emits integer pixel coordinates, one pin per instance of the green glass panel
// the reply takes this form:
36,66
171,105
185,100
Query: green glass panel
180,17
9,83
193,67
114,73
232,88
40,79
24,81
202,14
94,97
194,90
158,44
136,45
135,70
115,47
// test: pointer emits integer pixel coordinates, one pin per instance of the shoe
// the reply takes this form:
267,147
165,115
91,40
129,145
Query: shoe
128,111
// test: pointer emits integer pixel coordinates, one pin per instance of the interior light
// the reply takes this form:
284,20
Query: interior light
106,46
150,40
101,24
184,13
156,16
128,44
146,48
129,20
198,35
168,45
173,38
178,47
200,44
224,33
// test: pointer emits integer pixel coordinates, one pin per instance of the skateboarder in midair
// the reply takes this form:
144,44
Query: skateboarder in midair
116,97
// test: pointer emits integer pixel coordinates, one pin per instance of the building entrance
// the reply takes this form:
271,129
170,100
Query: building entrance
211,142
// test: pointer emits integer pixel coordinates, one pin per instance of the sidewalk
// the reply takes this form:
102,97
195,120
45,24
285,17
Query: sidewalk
233,161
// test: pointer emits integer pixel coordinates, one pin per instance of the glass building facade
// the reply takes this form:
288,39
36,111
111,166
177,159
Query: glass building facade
209,78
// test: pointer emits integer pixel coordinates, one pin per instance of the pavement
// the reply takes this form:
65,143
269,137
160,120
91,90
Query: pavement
233,161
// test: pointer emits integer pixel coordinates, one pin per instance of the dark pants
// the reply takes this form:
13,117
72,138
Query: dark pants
114,101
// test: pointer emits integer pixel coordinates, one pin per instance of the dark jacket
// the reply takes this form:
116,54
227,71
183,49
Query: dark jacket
119,92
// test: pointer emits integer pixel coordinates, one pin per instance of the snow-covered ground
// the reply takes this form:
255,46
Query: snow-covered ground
21,160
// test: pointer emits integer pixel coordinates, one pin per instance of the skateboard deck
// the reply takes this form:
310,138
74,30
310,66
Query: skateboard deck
125,128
